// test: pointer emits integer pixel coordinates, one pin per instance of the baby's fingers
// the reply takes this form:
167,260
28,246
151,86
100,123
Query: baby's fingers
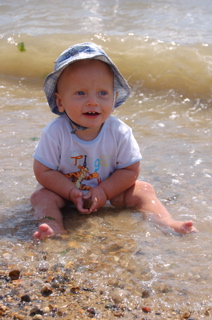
88,194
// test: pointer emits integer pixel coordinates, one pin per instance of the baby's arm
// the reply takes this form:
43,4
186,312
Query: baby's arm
55,181
118,182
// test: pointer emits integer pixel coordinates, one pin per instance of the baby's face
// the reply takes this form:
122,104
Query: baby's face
85,92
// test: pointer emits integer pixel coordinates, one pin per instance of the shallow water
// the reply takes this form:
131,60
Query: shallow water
167,20
117,248
169,69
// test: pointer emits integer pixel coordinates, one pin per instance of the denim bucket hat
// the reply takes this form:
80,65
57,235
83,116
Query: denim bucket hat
86,50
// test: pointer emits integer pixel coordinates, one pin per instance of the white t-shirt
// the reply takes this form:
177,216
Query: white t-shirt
87,163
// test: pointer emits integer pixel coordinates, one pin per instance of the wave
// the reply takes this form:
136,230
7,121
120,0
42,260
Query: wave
148,64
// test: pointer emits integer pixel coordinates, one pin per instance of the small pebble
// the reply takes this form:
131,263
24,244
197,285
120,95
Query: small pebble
75,290
59,313
87,203
25,298
119,295
91,311
46,290
146,294
146,309
14,274
35,310
118,314
186,315
46,310
3,309
208,312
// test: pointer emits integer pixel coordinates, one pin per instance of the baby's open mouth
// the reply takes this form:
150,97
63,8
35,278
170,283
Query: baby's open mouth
91,113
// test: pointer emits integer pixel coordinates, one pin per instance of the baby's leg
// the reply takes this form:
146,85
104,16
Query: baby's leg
142,197
47,205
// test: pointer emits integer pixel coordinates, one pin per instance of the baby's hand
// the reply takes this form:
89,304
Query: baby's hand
75,195
96,198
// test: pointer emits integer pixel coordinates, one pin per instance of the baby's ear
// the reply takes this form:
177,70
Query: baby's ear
59,102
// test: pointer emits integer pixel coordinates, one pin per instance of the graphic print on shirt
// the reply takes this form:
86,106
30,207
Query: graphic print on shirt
83,174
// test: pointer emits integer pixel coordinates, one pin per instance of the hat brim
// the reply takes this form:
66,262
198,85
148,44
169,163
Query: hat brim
77,53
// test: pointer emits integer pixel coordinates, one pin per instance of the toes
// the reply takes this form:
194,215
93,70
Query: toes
188,224
44,231
188,227
36,235
45,228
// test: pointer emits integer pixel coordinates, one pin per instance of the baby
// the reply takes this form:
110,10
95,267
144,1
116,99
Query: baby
86,154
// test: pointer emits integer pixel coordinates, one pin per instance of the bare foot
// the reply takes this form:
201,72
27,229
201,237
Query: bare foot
183,226
44,231
47,231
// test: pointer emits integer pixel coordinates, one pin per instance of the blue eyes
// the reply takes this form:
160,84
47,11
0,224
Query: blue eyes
101,93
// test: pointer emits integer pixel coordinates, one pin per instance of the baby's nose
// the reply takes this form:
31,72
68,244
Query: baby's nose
92,100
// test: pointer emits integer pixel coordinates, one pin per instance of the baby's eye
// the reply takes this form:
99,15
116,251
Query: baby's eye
103,93
80,93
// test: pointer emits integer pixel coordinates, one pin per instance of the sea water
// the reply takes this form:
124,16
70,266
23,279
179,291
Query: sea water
164,49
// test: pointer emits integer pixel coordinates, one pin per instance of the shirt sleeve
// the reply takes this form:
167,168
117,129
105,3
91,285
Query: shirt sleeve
47,151
128,150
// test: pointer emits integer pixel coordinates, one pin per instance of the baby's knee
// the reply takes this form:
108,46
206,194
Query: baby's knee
45,197
36,197
41,195
144,187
